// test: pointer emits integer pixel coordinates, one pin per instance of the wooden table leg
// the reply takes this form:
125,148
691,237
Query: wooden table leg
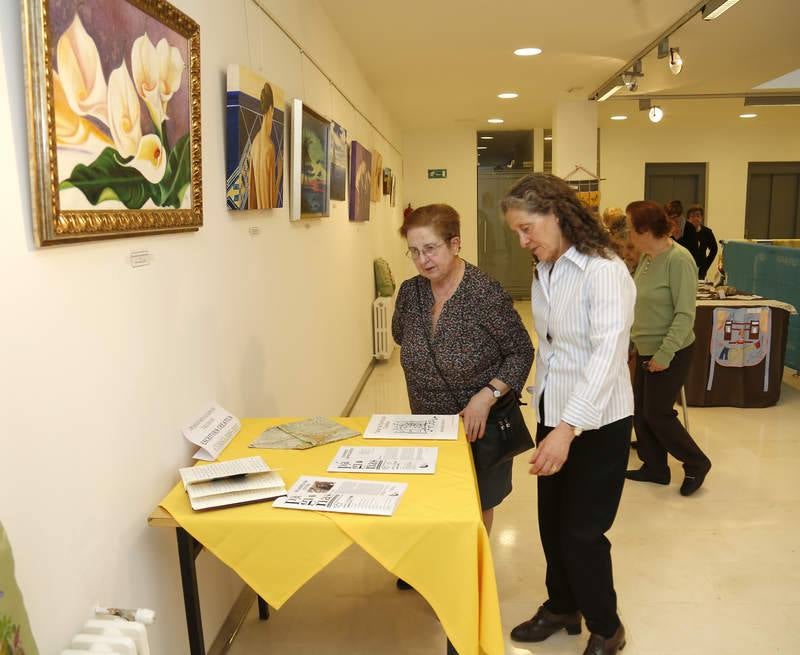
188,549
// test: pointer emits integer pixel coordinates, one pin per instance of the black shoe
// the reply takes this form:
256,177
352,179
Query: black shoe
403,585
644,474
544,623
692,483
599,645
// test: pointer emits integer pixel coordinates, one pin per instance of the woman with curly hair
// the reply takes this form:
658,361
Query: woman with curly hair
582,298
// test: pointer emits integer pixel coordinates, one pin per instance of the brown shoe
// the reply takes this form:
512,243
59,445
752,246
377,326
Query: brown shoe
599,645
544,623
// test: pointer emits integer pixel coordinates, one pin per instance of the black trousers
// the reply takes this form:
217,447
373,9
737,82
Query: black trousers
577,506
658,429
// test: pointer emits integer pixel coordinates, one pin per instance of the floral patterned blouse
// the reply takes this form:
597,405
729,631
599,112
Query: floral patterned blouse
479,336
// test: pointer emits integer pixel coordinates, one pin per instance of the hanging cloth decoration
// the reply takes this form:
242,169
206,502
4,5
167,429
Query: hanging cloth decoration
587,187
740,336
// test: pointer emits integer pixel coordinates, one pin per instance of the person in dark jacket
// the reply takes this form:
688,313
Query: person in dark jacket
706,241
683,232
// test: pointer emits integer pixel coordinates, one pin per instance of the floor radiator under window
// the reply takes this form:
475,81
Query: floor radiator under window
382,342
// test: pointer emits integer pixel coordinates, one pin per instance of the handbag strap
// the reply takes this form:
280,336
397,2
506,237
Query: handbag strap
430,345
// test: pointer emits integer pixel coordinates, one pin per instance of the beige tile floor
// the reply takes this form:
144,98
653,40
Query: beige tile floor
717,573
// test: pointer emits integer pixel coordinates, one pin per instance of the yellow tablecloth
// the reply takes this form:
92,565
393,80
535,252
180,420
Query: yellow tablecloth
435,540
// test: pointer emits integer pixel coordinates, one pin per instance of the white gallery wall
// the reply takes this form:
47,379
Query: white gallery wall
707,131
455,150
103,363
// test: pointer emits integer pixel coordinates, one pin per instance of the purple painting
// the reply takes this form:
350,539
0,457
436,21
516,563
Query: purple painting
360,181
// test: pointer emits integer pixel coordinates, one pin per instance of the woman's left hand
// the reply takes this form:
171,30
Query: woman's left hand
476,413
654,367
552,452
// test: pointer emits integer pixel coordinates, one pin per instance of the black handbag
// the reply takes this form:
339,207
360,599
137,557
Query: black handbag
505,416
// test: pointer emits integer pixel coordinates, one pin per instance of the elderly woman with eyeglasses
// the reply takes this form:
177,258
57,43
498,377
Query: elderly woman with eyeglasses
462,343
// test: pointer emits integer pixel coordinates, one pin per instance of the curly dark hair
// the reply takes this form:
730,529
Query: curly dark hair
544,194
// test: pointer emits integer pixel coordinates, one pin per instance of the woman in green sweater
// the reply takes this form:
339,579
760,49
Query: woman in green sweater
663,333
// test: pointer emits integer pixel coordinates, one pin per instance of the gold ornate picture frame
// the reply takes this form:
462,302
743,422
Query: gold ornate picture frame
113,93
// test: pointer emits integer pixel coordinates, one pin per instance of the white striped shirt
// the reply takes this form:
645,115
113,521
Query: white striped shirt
585,305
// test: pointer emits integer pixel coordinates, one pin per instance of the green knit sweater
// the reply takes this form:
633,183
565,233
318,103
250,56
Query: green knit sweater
666,289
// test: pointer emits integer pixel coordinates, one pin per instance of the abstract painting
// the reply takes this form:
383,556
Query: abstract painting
360,181
311,158
255,121
114,118
338,162
377,176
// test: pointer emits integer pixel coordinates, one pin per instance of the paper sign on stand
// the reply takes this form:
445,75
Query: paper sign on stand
212,431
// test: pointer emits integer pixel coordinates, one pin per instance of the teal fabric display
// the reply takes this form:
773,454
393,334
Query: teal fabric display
772,272
15,632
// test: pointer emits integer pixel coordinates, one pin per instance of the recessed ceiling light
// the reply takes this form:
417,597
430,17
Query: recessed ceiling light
482,147
487,138
619,118
548,138
527,52
508,96
747,115
495,121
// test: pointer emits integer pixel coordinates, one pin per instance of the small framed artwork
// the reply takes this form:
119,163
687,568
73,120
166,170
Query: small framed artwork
377,176
255,122
360,181
393,193
311,163
387,181
113,93
338,162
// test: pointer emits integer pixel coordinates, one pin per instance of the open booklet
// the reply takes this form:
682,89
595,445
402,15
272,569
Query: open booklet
412,426
300,435
365,459
345,496
233,482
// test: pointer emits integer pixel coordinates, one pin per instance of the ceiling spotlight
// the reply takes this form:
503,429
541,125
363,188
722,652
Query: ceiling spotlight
655,114
715,8
508,96
630,82
527,52
487,138
675,61
619,118
631,78
495,121
747,115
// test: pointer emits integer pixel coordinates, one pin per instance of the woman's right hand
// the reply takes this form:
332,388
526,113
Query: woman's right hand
552,452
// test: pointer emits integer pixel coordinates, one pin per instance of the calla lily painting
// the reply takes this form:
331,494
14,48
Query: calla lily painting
119,87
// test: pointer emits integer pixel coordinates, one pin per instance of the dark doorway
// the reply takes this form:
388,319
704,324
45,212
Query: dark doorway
773,200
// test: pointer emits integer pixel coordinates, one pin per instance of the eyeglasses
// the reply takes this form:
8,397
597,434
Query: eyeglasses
428,249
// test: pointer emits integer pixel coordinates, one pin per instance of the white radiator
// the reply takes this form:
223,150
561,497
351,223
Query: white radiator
110,635
382,342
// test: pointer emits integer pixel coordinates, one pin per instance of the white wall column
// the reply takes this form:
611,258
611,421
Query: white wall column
538,149
574,136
